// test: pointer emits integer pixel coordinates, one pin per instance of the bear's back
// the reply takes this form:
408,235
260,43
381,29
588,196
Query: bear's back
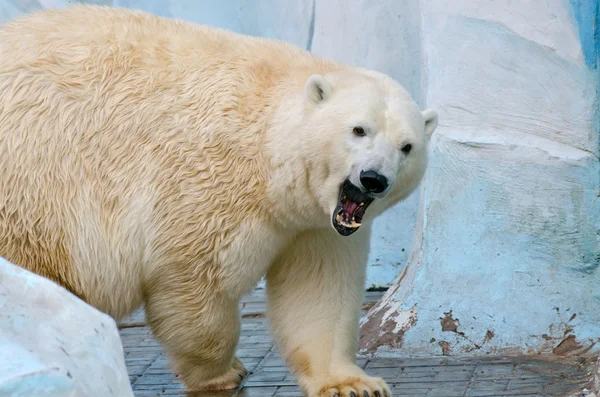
92,58
83,32
117,131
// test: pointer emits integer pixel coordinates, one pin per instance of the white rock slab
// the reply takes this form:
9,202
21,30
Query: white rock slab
54,344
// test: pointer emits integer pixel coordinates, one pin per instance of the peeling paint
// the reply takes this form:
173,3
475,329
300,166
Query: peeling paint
489,335
573,317
595,381
446,348
383,330
368,306
566,346
448,323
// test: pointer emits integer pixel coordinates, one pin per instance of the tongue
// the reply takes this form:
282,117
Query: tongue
350,207
351,210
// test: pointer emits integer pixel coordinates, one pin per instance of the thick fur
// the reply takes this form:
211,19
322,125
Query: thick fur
146,160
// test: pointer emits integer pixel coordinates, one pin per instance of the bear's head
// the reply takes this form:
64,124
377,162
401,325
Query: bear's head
363,143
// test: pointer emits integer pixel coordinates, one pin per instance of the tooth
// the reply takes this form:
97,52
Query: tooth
361,204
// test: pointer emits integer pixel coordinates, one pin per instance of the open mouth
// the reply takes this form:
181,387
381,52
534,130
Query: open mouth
351,208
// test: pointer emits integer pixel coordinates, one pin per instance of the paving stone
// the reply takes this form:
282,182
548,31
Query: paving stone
137,369
147,393
517,384
288,391
413,363
488,388
452,376
362,362
250,352
227,393
275,361
387,374
411,393
407,377
268,376
158,388
153,379
258,391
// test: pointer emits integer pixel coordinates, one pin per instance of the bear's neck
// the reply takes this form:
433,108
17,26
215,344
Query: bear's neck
291,199
269,105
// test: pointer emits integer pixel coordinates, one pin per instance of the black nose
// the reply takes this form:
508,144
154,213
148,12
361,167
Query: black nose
373,181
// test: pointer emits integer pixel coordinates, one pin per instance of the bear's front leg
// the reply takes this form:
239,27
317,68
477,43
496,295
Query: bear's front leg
314,296
199,328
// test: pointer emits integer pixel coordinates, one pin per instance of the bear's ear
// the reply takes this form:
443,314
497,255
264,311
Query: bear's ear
431,121
317,88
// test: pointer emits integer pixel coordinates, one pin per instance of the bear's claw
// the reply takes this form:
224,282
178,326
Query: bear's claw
354,387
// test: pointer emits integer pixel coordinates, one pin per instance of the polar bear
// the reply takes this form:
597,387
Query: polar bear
150,161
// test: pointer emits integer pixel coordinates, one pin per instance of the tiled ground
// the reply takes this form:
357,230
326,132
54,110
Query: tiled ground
444,377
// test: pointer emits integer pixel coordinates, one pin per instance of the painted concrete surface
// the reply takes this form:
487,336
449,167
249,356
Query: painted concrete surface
508,245
54,344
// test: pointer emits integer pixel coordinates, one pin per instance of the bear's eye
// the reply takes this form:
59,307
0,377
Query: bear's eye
359,131
406,148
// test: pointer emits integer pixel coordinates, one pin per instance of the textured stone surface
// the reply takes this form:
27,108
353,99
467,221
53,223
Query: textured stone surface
54,344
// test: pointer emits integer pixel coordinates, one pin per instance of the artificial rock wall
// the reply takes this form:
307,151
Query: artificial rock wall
507,248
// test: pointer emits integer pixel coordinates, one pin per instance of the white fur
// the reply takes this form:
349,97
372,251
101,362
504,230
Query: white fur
145,160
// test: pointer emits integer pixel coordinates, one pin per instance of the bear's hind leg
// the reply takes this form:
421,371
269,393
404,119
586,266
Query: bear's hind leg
199,331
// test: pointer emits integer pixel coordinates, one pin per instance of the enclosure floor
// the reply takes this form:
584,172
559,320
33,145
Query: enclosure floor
150,375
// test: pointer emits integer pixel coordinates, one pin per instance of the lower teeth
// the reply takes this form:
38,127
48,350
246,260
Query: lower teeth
352,225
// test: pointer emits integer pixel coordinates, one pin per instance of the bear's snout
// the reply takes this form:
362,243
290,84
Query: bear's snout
373,181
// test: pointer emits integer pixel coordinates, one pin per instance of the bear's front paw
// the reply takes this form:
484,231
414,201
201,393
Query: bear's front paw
356,386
